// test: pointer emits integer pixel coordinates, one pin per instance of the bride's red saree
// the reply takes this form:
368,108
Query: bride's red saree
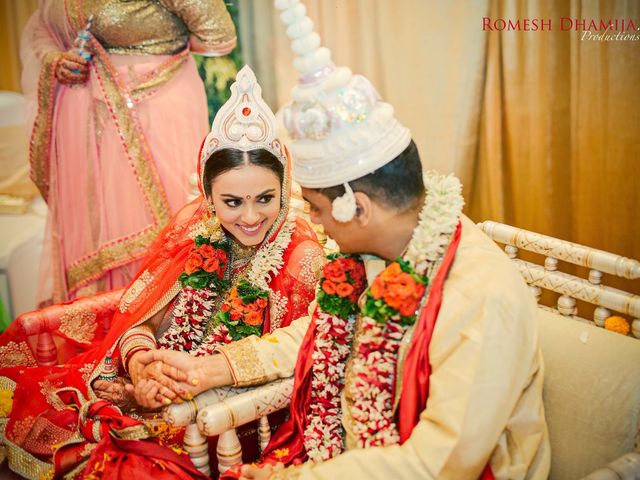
54,415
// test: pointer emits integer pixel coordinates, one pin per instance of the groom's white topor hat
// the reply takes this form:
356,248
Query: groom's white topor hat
340,129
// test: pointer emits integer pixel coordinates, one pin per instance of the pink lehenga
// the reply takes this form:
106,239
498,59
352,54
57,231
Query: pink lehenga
113,157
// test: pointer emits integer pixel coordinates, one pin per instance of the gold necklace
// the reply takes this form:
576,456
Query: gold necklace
241,257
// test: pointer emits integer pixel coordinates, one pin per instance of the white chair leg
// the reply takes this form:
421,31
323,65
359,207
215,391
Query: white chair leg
197,447
229,451
264,433
635,327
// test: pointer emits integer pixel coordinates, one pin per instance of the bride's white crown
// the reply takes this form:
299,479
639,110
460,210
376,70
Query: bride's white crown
340,129
244,122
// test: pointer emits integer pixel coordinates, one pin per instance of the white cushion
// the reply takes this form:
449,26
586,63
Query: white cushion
591,394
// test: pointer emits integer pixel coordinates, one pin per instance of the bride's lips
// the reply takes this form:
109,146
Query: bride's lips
251,230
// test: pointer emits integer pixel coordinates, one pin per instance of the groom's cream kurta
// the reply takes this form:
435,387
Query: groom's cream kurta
485,397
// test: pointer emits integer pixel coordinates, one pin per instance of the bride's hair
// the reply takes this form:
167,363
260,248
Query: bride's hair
227,159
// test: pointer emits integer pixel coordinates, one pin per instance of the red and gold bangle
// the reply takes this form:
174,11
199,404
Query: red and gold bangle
135,340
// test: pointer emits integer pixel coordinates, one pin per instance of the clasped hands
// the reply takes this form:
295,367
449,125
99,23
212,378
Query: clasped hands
160,377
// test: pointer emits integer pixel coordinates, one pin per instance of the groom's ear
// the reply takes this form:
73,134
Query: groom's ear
364,209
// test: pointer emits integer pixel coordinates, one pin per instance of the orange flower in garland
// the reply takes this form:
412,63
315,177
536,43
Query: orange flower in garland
194,262
211,265
253,318
205,265
344,289
343,281
329,287
207,251
335,271
396,291
244,310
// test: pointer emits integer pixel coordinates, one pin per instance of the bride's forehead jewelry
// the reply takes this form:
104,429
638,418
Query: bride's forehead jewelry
244,122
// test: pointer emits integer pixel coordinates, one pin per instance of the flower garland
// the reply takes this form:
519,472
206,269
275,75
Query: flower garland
390,308
204,281
343,281
241,314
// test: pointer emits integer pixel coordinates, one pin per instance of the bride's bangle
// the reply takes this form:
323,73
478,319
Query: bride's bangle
137,339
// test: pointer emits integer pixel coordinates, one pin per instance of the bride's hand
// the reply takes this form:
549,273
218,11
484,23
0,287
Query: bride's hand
114,392
168,389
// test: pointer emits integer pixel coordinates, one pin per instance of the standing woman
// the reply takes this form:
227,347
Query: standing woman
113,138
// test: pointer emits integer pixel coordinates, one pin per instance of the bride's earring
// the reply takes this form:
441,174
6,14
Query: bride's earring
212,222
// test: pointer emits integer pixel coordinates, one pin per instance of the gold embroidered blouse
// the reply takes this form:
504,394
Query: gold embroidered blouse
161,27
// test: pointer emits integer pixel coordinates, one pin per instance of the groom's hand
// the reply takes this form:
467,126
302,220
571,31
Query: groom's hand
147,394
192,375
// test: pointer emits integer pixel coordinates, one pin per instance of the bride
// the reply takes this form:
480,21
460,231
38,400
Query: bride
232,263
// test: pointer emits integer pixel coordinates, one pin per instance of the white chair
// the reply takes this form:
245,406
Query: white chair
219,412
592,379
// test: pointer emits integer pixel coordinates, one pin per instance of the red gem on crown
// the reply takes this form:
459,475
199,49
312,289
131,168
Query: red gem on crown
246,111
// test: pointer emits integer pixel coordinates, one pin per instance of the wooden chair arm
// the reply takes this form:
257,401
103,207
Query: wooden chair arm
245,407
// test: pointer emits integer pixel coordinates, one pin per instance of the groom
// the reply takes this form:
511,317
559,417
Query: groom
443,378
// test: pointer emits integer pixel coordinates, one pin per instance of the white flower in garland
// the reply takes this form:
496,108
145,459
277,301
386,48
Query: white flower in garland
268,259
192,310
438,220
323,434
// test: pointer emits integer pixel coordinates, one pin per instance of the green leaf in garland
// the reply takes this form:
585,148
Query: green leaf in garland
407,268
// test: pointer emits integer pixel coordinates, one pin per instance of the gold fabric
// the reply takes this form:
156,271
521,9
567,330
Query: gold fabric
78,324
254,360
40,148
14,354
539,126
150,27
485,398
13,17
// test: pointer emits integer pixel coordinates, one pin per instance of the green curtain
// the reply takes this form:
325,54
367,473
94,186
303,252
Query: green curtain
218,73
5,319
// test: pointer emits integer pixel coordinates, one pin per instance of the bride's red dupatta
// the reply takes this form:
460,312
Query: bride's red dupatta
50,403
